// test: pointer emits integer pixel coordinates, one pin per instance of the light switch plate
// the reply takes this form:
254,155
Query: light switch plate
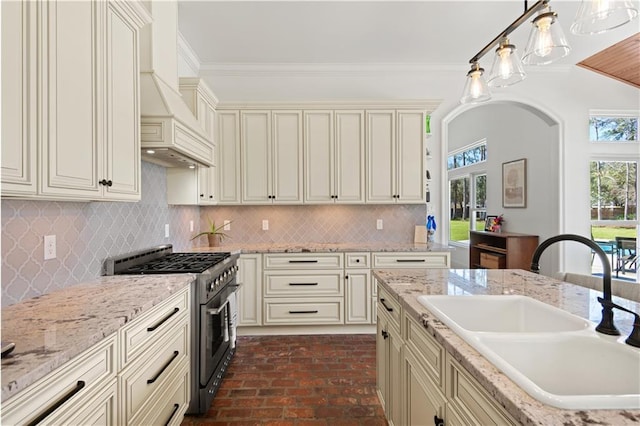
166,230
227,225
265,225
379,224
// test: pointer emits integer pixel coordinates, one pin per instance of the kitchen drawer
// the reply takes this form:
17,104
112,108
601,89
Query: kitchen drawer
357,260
389,306
146,329
169,407
426,349
492,260
412,260
148,374
319,310
303,261
83,374
311,283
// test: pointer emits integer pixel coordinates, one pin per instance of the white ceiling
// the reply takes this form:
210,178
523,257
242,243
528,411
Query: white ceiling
237,36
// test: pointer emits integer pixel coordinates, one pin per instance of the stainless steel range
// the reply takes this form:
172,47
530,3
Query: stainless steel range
213,310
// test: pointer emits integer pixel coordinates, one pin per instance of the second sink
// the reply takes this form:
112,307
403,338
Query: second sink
501,314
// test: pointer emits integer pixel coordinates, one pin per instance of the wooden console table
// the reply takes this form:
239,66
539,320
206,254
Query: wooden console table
501,250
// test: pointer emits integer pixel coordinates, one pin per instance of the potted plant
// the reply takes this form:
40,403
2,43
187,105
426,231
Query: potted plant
214,234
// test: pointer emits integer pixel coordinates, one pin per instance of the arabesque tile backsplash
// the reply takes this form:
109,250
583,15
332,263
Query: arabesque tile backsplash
87,233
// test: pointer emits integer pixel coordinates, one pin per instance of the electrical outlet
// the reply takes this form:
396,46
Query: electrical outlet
379,224
265,225
190,226
227,225
49,247
166,230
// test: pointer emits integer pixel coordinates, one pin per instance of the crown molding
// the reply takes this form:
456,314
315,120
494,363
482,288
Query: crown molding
186,52
428,105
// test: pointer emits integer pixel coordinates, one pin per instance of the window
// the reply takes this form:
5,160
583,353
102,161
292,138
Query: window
619,127
468,205
467,190
470,155
614,186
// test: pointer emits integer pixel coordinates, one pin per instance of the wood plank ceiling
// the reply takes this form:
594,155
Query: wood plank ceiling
620,61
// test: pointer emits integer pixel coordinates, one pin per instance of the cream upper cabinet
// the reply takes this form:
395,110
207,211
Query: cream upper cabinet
395,151
19,105
228,157
87,133
196,186
334,156
271,145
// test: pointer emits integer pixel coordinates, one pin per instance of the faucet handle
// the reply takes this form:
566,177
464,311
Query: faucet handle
634,337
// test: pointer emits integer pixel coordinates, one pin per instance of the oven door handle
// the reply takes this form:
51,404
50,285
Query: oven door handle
217,311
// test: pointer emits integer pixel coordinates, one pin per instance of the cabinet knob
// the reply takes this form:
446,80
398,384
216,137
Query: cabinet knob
210,196
346,277
201,195
357,260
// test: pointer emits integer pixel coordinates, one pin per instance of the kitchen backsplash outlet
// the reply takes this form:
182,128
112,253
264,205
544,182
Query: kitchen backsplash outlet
87,233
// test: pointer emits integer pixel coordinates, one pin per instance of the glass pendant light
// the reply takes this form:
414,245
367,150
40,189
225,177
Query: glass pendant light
547,42
507,68
475,88
598,16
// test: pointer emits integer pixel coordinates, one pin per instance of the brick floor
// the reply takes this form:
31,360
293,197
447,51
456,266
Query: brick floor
298,381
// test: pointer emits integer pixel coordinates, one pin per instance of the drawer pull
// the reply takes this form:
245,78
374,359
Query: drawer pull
410,260
303,312
163,320
57,404
173,413
385,306
384,334
303,283
164,367
437,421
303,261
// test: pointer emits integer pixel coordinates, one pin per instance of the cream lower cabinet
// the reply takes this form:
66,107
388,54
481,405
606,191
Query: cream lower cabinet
155,351
132,377
303,289
357,291
80,64
249,279
83,390
389,358
432,387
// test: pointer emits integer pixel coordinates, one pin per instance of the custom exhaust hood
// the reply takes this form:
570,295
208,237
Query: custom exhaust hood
170,135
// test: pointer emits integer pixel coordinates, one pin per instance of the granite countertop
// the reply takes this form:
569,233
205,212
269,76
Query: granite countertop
325,247
52,329
407,284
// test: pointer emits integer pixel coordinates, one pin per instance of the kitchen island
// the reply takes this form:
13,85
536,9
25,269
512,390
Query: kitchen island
406,285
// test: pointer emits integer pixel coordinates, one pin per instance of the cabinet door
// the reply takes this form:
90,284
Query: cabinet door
73,99
318,148
381,171
228,158
250,292
349,156
256,157
19,101
287,157
395,378
122,149
422,399
382,361
410,153
207,185
357,297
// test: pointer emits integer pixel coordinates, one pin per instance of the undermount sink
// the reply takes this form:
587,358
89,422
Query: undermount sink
504,314
568,371
554,356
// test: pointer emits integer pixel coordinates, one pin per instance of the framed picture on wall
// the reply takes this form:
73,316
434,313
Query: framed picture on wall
514,183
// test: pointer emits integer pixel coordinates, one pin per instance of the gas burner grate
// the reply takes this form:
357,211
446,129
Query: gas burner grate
178,263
